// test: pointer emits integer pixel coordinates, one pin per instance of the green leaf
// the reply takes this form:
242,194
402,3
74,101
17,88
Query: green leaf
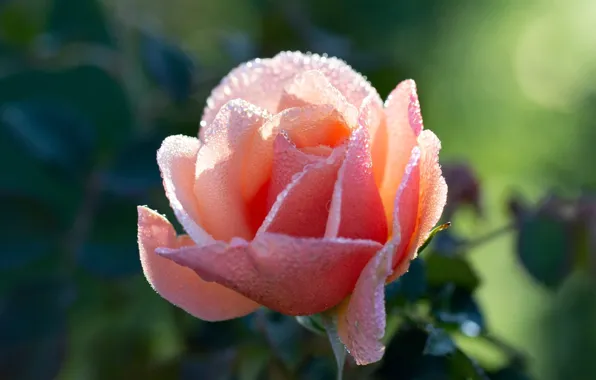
78,21
33,328
432,234
135,170
111,250
88,90
312,323
18,24
168,66
410,287
52,132
442,269
509,373
457,308
545,248
29,231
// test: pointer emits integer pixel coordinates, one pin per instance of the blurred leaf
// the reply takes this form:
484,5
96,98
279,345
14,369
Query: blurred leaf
29,231
456,307
285,337
464,188
217,366
509,373
78,21
544,247
88,90
111,250
168,66
441,270
411,286
52,132
18,27
252,362
135,169
33,328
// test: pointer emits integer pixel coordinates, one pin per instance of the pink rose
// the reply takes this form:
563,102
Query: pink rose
303,192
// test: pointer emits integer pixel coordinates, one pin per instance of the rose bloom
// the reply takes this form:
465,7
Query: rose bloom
303,193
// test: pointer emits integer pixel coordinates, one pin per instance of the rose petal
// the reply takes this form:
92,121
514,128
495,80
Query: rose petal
356,209
219,166
403,124
312,87
302,209
309,126
179,285
362,318
294,276
287,161
261,82
433,188
176,159
372,116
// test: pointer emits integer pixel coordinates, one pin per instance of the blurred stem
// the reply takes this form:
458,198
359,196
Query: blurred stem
83,220
467,245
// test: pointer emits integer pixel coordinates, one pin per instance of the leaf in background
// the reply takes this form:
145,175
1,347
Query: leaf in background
312,323
545,246
441,270
88,90
339,351
18,24
457,307
29,231
111,249
135,169
51,132
171,68
33,328
509,373
78,21
411,286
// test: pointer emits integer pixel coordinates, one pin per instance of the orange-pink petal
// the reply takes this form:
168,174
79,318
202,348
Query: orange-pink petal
219,167
179,285
302,209
176,159
312,87
372,116
294,276
362,318
403,125
261,81
356,210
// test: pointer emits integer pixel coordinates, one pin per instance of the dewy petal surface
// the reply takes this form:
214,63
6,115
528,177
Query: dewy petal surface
372,115
433,188
356,209
261,81
180,285
312,87
302,209
176,159
294,276
220,164
403,125
362,318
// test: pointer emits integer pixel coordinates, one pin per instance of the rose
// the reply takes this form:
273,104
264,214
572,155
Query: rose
304,193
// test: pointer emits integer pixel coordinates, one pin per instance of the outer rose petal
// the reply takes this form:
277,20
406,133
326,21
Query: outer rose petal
403,125
261,81
356,209
312,87
179,285
176,159
219,166
302,209
362,318
433,188
294,276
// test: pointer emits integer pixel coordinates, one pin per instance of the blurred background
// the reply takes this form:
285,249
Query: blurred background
89,89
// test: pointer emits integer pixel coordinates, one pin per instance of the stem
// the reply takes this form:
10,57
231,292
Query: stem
467,245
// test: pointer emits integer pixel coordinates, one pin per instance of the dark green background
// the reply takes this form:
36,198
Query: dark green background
89,89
